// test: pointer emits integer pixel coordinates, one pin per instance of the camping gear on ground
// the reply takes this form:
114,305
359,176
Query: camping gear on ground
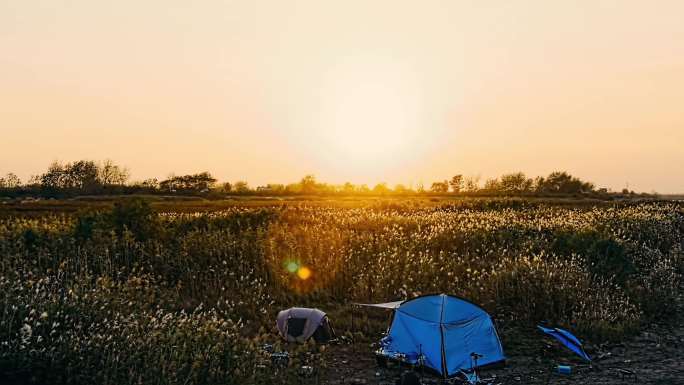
627,373
408,378
443,332
469,378
278,359
567,339
564,369
276,362
306,371
308,364
298,324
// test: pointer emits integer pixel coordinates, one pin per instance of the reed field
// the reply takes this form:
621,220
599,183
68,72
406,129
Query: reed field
129,295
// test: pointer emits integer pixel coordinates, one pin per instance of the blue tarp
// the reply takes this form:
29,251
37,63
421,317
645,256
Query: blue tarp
567,339
446,330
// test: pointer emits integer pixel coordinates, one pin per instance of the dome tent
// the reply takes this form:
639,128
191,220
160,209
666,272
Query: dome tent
446,331
299,324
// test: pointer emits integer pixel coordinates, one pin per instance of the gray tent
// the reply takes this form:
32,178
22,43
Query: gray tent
298,324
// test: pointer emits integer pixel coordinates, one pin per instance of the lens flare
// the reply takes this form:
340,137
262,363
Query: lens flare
292,266
304,273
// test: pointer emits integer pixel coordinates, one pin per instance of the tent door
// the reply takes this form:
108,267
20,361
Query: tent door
324,332
295,326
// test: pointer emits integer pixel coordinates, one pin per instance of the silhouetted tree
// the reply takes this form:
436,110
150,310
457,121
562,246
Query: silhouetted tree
276,188
201,182
86,176
515,183
151,183
563,183
456,183
471,183
440,187
241,187
492,185
226,187
83,175
348,188
112,174
401,189
381,188
308,184
55,177
80,176
34,181
10,181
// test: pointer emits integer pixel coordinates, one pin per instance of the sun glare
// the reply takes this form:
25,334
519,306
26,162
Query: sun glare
369,119
304,273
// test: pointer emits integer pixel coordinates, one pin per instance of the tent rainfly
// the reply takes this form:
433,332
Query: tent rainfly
567,339
299,324
451,333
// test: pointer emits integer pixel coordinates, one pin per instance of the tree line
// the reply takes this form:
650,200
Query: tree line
86,177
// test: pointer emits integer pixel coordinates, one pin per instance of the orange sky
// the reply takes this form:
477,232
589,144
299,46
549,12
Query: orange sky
364,91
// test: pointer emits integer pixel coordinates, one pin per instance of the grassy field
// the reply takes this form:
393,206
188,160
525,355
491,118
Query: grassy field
186,292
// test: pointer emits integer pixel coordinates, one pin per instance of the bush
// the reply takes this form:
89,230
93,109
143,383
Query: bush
605,256
136,216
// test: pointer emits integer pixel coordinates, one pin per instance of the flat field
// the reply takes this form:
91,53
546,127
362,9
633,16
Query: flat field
186,292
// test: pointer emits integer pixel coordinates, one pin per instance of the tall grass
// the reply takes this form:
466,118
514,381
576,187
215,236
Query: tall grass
188,297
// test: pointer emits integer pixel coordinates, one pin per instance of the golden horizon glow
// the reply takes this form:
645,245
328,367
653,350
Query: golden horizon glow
366,92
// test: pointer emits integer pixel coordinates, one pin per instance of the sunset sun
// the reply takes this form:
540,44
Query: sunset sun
370,117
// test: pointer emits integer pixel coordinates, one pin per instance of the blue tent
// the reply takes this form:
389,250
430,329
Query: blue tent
446,330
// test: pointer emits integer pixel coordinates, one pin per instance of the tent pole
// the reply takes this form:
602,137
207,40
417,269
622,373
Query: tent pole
353,330
420,360
441,334
352,322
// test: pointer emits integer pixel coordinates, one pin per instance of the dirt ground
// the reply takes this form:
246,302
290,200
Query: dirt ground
656,356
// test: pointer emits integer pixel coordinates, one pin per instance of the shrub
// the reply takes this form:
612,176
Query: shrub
136,216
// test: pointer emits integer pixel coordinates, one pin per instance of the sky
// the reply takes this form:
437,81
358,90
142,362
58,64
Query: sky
361,91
